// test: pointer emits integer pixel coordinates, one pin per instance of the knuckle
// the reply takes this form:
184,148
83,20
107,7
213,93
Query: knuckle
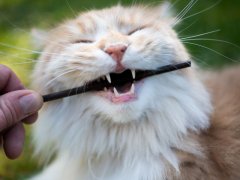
3,122
4,69
9,77
8,113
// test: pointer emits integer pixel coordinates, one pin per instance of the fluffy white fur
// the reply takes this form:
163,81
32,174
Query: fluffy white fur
91,146
95,139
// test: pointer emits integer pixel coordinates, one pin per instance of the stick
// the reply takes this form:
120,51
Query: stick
96,86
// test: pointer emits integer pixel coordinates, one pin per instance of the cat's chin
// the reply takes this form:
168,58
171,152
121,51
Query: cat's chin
125,109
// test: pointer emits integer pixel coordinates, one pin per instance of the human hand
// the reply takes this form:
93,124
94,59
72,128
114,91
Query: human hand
17,106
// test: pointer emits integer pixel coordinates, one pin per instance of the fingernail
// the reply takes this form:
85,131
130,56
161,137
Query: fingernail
30,103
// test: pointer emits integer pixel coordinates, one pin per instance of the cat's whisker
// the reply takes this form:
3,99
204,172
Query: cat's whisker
28,51
172,5
18,48
209,39
187,27
210,49
25,49
24,31
72,88
184,12
17,56
200,61
55,78
133,3
188,9
83,65
202,11
28,60
199,35
77,85
179,14
70,7
85,69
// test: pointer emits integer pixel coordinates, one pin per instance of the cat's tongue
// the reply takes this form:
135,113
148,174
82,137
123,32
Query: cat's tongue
124,93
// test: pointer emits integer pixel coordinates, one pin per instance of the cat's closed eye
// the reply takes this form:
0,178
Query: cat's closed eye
136,30
82,41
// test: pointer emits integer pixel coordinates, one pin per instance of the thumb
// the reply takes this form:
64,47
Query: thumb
17,105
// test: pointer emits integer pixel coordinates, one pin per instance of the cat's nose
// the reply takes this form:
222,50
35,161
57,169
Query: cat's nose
116,51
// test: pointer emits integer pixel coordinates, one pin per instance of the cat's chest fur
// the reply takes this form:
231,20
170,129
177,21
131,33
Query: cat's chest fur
107,170
151,168
104,150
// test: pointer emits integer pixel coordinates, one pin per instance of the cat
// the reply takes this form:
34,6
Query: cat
175,126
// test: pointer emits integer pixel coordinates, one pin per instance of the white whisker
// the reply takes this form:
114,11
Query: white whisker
16,56
173,4
25,31
202,11
215,40
28,60
70,7
60,75
22,49
184,11
211,50
187,27
28,51
198,35
200,61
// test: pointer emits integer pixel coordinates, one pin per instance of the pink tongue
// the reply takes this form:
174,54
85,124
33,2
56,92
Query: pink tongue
124,98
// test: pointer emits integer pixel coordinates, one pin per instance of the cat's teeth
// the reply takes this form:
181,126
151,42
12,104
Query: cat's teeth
108,78
116,92
132,90
133,74
105,89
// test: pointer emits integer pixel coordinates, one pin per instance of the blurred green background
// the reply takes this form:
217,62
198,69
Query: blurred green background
18,17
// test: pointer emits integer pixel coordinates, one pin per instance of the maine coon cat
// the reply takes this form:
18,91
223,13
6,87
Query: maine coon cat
175,126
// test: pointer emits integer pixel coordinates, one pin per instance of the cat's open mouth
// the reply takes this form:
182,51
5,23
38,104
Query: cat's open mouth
122,87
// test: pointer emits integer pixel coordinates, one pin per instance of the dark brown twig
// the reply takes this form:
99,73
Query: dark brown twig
97,86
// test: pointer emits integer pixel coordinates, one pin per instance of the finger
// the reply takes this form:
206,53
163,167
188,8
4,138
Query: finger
13,141
17,105
1,141
9,80
30,119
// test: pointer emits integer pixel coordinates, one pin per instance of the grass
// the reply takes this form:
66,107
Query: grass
17,17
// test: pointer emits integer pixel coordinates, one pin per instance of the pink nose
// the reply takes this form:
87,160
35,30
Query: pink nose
116,52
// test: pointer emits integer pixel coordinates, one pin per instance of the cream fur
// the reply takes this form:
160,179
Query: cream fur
95,139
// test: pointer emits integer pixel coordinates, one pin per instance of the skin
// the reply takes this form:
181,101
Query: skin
17,106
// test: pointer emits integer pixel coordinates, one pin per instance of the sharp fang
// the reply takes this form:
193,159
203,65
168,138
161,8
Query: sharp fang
105,89
116,92
108,78
133,74
132,90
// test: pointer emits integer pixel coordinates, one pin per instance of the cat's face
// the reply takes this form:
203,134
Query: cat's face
111,41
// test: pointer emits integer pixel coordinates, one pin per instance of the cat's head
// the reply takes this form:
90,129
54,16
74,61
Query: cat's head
100,42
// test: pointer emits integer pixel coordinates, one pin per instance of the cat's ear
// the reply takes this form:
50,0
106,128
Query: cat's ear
39,38
166,12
